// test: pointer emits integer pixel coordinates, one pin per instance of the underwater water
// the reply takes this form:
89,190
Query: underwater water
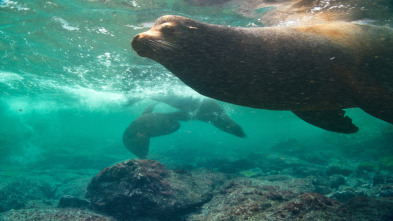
70,85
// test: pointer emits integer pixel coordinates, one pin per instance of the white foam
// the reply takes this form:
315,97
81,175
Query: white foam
65,24
6,76
13,5
141,26
95,99
102,30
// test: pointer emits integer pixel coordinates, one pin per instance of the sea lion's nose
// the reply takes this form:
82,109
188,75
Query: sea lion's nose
133,41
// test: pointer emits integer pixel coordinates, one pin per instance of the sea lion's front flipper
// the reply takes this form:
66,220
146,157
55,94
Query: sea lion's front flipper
383,113
331,120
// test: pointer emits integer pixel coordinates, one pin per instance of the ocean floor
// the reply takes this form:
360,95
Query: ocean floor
268,186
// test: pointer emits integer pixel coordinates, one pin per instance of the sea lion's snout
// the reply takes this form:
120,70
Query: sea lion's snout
146,43
137,45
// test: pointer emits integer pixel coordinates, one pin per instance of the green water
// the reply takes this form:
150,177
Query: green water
67,73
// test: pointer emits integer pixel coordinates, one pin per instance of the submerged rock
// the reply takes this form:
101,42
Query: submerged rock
145,188
75,187
53,214
22,192
249,199
364,208
309,206
336,170
335,181
73,202
347,194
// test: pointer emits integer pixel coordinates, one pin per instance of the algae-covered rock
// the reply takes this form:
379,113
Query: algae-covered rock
145,188
309,206
248,199
347,194
53,214
338,170
364,208
386,163
73,202
335,181
367,166
23,192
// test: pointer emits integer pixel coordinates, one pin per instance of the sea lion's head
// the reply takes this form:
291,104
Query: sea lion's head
168,36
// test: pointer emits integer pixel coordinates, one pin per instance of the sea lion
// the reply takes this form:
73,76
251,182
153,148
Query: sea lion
307,12
314,71
203,109
136,138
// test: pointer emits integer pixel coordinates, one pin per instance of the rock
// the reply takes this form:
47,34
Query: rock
309,206
382,179
348,194
227,166
73,202
386,163
322,190
76,187
363,208
22,192
248,199
335,181
367,166
316,158
338,170
321,184
304,171
53,214
236,166
137,189
382,190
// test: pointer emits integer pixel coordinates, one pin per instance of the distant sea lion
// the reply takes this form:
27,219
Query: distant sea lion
203,109
136,138
313,71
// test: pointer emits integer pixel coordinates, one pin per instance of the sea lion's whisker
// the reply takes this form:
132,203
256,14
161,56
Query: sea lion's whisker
164,45
154,46
168,44
158,45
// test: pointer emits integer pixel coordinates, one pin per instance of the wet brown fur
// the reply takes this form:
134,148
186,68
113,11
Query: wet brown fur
305,68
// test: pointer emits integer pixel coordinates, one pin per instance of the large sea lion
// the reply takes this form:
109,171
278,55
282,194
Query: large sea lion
136,138
314,71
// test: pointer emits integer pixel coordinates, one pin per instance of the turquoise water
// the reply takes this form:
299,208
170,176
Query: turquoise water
67,75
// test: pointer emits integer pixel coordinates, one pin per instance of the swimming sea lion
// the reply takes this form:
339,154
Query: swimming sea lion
136,138
296,12
314,71
203,109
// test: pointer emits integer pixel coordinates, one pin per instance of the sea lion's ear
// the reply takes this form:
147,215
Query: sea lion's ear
193,28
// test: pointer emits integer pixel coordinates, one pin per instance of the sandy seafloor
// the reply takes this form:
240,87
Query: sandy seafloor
70,84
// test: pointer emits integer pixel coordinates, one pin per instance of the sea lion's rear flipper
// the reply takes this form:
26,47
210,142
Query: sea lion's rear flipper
137,144
385,114
331,120
149,109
